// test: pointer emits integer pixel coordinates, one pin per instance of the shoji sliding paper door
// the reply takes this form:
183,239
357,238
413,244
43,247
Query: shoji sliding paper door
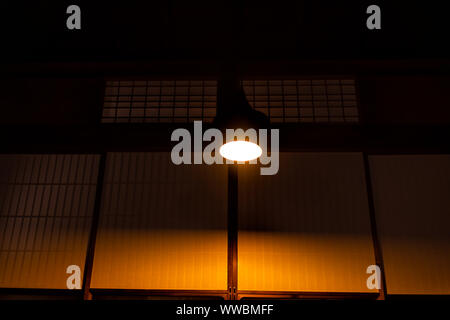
162,226
46,206
306,228
412,204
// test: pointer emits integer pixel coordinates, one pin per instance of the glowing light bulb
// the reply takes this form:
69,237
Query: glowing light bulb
240,151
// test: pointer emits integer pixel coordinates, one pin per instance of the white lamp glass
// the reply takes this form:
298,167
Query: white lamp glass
240,151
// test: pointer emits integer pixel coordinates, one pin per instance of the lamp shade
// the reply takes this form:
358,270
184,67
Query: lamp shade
234,112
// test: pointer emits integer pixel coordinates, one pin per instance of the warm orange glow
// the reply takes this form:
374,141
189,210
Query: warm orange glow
306,228
43,269
275,261
240,151
161,234
161,259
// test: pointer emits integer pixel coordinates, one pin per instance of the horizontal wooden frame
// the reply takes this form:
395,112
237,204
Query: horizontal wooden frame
99,294
210,67
418,297
150,137
40,294
296,295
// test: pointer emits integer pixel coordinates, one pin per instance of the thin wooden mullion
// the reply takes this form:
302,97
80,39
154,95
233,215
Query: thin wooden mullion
94,229
232,231
374,230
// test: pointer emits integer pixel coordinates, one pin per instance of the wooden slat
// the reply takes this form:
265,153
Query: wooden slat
46,208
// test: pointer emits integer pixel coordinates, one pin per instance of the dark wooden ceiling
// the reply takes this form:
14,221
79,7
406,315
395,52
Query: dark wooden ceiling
178,29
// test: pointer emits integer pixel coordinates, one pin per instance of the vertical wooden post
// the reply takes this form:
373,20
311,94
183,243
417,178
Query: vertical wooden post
373,224
232,230
94,228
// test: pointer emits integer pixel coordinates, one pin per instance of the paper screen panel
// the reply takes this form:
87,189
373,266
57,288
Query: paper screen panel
165,101
306,228
304,100
162,226
412,204
46,206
